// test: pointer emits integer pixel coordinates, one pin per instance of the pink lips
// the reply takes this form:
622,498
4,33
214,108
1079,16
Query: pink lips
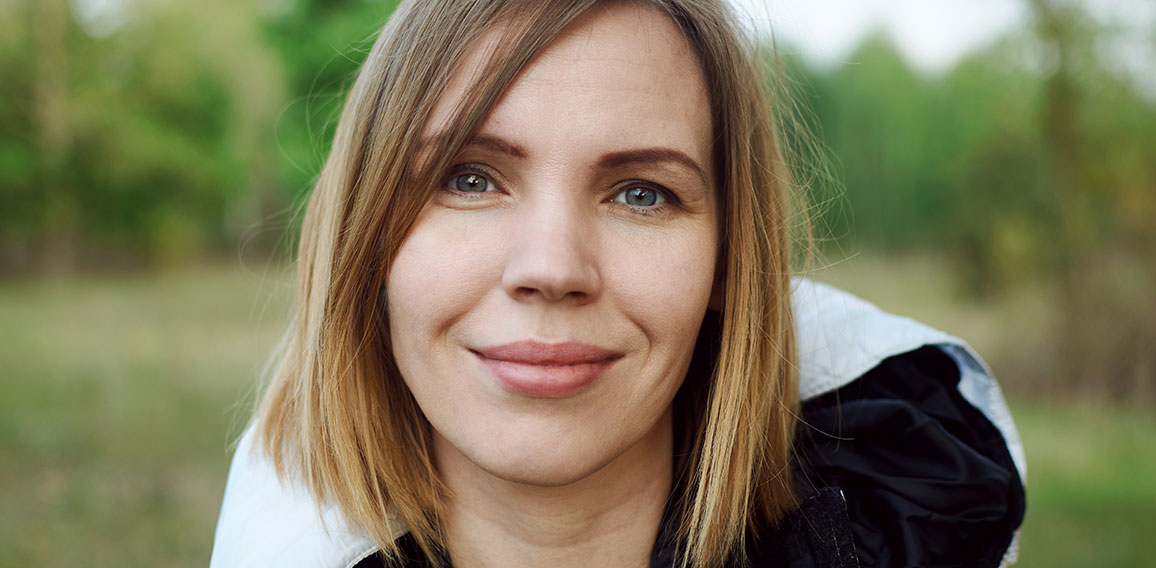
547,370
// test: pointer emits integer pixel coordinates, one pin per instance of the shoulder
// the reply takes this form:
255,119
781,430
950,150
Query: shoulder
907,424
266,521
842,337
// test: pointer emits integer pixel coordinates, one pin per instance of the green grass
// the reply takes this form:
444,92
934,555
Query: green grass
121,395
1091,486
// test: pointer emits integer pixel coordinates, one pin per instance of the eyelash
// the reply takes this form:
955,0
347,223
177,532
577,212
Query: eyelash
668,196
467,169
670,199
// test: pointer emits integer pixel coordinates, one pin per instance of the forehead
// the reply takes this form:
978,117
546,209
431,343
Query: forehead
622,73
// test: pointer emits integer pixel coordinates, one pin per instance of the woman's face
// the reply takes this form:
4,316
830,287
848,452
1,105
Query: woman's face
544,307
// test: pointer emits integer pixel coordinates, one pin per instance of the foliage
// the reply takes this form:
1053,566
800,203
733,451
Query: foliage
1028,163
963,162
152,132
149,140
321,44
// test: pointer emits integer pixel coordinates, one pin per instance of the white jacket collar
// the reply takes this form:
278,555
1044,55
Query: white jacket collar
265,522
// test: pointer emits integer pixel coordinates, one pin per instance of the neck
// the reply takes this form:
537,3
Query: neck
610,517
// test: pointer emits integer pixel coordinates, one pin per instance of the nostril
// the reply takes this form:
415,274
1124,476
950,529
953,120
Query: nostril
551,278
552,256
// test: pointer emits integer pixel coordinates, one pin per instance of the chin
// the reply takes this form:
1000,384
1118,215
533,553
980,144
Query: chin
543,463
545,453
541,475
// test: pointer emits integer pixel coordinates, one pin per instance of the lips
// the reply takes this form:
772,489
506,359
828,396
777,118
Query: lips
547,370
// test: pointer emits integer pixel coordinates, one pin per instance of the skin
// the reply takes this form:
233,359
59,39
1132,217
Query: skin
552,251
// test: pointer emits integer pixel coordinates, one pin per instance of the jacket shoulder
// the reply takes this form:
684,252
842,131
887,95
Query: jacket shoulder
266,521
841,337
908,423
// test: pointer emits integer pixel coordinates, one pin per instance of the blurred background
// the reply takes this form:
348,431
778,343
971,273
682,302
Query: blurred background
989,168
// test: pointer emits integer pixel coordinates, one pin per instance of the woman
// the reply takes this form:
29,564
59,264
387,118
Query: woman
544,319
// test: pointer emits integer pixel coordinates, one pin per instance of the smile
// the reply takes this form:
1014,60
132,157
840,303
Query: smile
546,370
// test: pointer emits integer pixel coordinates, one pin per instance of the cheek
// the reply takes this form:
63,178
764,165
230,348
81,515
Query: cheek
441,270
665,286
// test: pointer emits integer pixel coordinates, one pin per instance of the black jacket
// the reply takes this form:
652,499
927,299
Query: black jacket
895,469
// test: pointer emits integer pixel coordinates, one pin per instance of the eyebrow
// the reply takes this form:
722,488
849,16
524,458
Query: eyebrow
498,145
652,155
606,161
485,141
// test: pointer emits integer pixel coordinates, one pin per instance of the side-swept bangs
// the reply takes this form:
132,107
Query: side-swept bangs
338,417
337,414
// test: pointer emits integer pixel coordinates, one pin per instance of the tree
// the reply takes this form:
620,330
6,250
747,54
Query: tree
144,137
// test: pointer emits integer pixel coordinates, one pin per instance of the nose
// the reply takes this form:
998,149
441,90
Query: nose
553,256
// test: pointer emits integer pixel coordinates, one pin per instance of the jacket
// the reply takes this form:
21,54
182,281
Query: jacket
961,427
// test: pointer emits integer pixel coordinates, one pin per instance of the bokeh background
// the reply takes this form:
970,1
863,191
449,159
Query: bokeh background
153,154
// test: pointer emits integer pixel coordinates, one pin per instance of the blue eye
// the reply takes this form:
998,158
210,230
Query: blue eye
471,183
640,196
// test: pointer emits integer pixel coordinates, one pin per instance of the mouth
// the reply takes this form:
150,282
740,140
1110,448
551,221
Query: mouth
547,370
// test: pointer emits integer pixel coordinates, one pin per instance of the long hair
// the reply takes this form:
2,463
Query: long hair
337,415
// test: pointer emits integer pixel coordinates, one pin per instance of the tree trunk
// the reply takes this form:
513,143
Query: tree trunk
53,137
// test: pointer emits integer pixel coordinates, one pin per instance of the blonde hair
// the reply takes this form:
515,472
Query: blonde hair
337,414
